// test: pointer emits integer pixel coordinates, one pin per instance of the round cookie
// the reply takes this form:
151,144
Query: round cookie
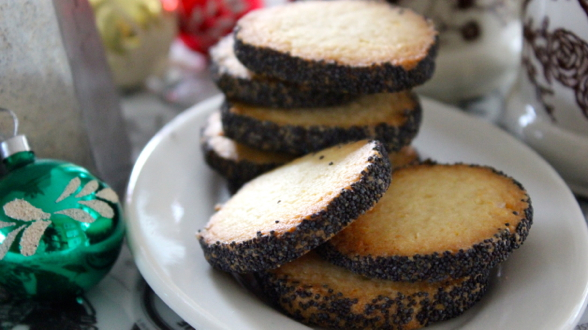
235,161
393,118
344,46
436,221
283,214
318,293
239,163
240,84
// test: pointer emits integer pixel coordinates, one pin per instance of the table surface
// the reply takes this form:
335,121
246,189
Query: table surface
123,300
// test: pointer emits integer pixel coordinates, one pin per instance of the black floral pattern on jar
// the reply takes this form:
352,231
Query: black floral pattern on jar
584,5
582,94
563,57
568,58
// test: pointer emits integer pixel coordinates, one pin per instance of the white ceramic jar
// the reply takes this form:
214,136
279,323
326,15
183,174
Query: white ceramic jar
480,46
549,109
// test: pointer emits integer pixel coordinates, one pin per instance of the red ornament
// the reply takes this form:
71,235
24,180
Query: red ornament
204,22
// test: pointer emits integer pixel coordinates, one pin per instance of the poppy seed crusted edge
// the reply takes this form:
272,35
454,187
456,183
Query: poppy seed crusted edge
270,92
324,75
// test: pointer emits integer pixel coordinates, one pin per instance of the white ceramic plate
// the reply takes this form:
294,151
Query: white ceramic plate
172,193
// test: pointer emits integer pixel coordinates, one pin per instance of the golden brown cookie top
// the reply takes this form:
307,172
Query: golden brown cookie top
374,109
355,33
436,208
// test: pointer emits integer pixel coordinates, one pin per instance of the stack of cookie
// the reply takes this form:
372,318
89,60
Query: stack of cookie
319,114
338,241
308,75
423,254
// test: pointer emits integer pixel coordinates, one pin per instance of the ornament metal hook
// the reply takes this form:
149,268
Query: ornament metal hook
14,120
15,143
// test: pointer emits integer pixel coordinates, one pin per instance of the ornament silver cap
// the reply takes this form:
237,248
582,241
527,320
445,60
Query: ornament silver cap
14,145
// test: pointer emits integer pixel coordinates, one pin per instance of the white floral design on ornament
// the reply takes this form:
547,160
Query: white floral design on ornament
37,221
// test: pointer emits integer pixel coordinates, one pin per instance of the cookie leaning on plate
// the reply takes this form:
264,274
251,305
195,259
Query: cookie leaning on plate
436,221
281,215
240,84
316,292
393,118
344,46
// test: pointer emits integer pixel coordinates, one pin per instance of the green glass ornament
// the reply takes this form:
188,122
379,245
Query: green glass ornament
61,228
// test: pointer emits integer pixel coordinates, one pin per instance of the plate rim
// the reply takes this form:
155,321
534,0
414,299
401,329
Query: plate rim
151,274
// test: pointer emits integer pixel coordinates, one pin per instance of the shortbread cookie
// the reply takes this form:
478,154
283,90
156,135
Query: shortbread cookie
240,84
435,222
239,163
393,118
279,216
345,46
318,293
235,161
